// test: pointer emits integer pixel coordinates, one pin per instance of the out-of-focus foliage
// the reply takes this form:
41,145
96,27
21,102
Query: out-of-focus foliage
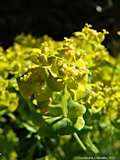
59,100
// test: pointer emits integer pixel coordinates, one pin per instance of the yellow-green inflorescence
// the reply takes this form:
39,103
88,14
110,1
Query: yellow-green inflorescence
70,76
64,78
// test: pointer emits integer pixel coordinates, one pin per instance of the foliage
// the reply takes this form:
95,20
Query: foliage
59,94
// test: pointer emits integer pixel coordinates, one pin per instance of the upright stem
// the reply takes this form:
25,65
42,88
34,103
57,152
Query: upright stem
64,102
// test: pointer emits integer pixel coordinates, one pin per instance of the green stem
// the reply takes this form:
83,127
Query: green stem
79,141
64,103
